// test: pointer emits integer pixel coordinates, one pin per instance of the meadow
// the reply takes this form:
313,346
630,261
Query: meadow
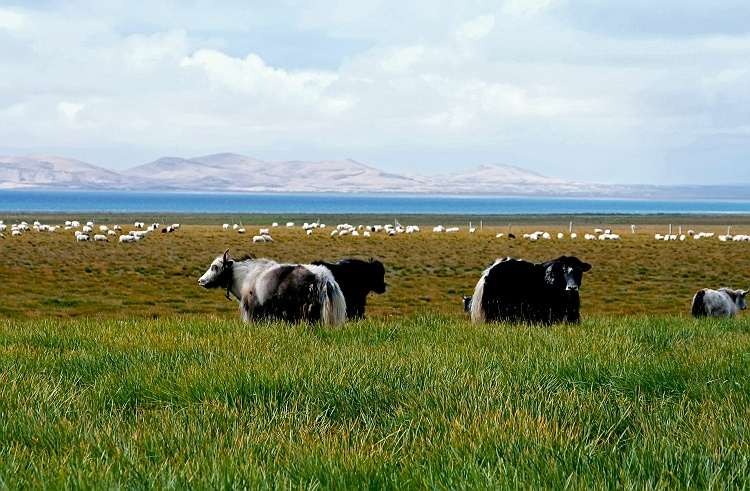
120,371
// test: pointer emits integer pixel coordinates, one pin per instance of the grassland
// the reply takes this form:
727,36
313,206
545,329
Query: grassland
118,371
51,276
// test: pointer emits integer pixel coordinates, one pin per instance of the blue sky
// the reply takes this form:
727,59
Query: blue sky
600,91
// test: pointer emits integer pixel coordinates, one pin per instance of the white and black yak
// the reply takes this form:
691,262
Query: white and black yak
269,290
723,302
516,290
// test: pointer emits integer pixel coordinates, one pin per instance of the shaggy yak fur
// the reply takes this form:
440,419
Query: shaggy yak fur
520,291
357,279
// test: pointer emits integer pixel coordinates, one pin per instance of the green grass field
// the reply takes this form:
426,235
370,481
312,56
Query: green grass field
118,371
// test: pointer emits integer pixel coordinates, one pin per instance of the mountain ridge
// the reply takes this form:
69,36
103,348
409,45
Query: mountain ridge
229,172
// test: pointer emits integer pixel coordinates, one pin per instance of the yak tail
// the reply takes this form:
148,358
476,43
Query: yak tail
699,308
332,304
477,309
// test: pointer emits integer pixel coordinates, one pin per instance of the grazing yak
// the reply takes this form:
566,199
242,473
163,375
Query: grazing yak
520,291
269,290
723,302
357,279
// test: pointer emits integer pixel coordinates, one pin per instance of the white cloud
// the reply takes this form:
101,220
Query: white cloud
477,28
70,109
145,52
456,117
402,59
11,20
525,8
252,75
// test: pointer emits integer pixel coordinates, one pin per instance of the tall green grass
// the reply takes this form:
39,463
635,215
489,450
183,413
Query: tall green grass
427,401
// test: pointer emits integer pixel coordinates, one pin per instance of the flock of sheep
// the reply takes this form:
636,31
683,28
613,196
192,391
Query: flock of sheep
87,232
102,233
341,229
345,229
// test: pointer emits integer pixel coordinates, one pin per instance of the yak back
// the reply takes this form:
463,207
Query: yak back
357,278
292,295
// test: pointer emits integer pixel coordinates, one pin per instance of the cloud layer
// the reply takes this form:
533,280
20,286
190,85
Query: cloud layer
611,92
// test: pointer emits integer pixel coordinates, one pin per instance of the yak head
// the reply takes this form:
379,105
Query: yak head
218,273
565,273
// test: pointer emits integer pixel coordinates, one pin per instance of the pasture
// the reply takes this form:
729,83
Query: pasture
49,275
120,371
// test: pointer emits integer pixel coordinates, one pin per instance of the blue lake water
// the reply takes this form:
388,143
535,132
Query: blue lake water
134,202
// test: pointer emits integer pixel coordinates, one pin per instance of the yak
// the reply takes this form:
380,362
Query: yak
517,290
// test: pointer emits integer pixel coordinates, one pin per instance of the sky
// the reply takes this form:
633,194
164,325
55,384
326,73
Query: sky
601,91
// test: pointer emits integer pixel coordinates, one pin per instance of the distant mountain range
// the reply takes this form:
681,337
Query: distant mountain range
228,172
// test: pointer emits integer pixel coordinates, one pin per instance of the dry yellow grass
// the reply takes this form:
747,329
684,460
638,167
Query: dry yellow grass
50,275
